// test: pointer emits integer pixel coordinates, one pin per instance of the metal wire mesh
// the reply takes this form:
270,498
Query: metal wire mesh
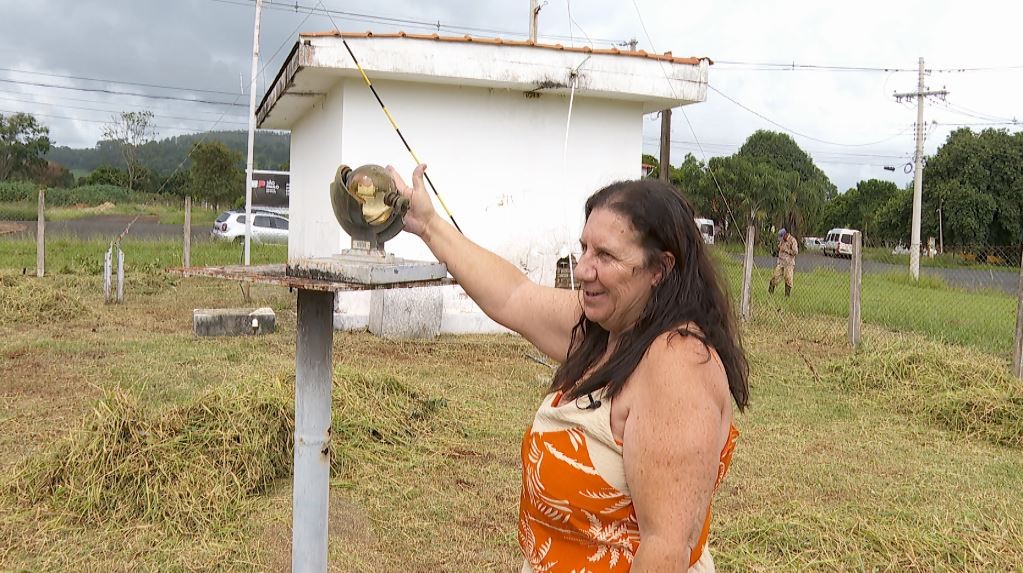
965,294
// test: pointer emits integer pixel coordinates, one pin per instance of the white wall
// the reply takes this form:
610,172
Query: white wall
495,156
315,149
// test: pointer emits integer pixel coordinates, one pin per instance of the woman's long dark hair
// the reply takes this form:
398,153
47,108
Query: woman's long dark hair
692,292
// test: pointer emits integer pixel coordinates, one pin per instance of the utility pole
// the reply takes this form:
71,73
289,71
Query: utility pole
663,171
918,166
534,12
252,133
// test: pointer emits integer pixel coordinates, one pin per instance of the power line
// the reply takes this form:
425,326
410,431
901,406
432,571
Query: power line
122,82
87,100
118,92
115,111
793,66
794,132
100,121
436,26
810,151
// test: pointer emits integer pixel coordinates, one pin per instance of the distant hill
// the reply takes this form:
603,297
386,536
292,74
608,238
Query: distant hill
272,151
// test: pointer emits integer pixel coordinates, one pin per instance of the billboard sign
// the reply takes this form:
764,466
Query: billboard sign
271,189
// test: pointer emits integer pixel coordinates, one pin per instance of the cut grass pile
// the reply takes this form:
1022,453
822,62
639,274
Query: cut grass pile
964,391
190,466
27,301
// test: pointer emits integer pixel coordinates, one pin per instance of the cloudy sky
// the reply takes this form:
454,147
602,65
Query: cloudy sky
844,61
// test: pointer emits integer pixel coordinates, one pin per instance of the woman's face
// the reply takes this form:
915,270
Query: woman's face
615,283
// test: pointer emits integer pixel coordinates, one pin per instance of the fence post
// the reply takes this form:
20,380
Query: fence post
747,274
187,240
106,274
40,235
1017,358
855,288
120,274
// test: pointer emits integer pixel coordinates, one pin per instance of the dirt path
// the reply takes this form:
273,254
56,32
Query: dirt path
7,227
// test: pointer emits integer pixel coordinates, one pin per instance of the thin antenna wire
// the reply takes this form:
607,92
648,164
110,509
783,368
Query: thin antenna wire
390,118
721,192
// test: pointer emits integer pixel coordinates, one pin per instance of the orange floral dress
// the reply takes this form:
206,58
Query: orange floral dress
575,513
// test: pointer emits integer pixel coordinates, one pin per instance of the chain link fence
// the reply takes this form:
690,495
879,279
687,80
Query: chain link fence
965,294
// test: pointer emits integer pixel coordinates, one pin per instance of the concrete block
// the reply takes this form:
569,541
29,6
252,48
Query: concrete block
233,321
406,312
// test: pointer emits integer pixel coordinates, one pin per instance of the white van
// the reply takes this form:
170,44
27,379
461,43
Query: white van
706,227
838,243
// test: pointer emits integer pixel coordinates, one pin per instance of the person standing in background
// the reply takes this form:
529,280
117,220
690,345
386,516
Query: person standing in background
788,248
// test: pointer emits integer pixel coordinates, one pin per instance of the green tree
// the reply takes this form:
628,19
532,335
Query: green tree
977,180
23,144
215,175
130,130
105,175
859,207
756,193
807,189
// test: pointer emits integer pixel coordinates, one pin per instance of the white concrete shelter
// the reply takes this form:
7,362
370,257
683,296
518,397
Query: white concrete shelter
490,118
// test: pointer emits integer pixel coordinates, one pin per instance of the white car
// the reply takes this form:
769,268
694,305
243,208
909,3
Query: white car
267,227
839,242
813,244
706,227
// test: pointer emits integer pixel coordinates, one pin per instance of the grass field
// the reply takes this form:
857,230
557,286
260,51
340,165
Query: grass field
127,444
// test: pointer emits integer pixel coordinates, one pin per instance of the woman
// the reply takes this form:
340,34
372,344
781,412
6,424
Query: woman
624,454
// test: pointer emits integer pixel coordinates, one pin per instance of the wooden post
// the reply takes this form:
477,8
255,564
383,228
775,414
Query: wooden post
855,287
106,274
747,274
120,275
664,170
40,235
186,256
1017,357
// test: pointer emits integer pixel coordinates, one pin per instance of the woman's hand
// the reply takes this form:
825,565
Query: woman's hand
421,210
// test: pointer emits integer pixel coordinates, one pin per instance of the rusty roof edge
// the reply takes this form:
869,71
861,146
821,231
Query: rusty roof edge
279,84
667,56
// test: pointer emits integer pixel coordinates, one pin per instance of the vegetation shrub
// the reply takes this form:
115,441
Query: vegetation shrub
14,191
90,195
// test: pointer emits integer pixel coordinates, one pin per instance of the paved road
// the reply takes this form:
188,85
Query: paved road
109,227
1006,281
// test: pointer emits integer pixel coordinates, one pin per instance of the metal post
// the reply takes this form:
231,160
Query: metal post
186,255
747,274
40,235
664,170
106,274
120,275
1017,358
313,368
252,133
855,289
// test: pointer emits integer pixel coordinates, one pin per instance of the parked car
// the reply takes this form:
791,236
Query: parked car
267,227
706,227
813,244
838,243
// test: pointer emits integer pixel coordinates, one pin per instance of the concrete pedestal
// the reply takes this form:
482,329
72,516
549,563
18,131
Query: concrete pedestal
406,313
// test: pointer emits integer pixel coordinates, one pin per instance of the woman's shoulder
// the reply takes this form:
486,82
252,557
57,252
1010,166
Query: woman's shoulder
681,353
